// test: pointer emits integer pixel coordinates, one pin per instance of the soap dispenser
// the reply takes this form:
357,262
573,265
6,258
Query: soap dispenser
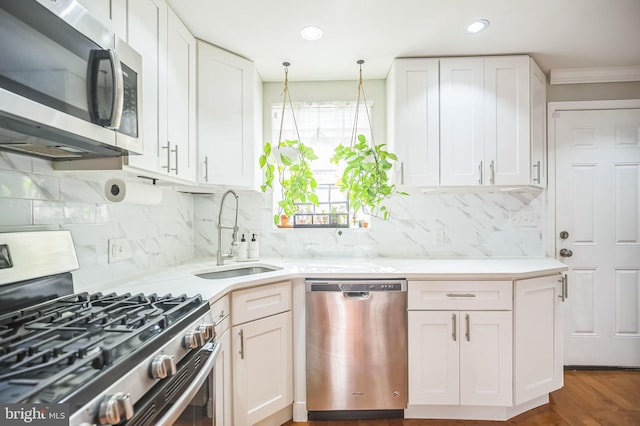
242,249
254,250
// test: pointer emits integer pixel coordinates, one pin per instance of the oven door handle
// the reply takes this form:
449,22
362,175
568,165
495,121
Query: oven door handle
172,415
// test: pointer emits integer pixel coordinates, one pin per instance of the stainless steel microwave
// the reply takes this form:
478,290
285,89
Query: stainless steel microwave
69,87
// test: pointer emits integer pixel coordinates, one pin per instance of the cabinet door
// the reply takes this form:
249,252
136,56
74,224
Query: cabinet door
538,126
415,121
262,368
224,407
507,131
181,93
462,122
486,358
147,28
538,338
112,13
433,357
226,122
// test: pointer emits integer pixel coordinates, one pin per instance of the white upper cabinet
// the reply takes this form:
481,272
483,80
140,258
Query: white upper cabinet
229,89
413,121
486,129
461,121
538,126
113,13
180,147
475,121
168,65
148,35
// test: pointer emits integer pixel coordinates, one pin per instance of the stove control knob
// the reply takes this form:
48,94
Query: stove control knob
194,339
115,409
163,366
208,330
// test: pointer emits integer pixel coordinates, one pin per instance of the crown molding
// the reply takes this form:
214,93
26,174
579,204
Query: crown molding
595,75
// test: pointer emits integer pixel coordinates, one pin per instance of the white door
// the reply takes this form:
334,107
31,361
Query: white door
598,206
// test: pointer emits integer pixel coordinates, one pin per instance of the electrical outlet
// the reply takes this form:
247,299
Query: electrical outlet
119,249
523,218
438,237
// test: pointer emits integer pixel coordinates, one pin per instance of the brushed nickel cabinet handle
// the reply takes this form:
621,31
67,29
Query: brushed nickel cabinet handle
537,167
461,295
480,167
206,168
468,332
492,179
454,335
402,172
241,344
168,148
175,150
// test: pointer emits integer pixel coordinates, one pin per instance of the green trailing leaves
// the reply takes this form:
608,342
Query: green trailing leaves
365,179
295,176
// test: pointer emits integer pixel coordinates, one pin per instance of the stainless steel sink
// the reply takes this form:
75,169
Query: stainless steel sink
237,272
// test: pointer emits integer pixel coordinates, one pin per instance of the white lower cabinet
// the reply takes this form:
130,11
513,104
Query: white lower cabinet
223,379
484,350
262,353
224,403
538,361
460,357
262,368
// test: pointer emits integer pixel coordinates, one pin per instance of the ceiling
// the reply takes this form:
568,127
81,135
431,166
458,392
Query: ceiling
556,33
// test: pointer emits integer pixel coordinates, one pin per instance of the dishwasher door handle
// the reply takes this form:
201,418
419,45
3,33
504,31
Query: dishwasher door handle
356,294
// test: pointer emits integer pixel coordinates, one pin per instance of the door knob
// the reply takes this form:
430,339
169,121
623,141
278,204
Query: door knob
566,252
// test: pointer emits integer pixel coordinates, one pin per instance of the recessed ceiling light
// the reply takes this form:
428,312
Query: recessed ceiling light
311,33
477,26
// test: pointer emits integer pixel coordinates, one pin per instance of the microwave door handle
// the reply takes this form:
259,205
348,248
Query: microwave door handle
113,121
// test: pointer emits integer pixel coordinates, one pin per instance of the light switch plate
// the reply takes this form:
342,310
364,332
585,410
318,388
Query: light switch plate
438,237
523,218
119,249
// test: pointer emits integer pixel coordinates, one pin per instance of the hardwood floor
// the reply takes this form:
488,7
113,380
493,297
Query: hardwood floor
588,398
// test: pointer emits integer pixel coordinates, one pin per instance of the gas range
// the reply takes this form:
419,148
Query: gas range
110,358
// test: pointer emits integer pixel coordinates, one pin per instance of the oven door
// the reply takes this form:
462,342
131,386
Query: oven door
187,398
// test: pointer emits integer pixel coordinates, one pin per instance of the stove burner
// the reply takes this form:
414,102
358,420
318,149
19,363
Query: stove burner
51,351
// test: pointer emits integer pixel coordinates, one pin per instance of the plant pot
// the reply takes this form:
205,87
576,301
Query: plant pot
291,153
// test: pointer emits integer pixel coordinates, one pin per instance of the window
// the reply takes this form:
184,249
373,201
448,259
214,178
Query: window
323,126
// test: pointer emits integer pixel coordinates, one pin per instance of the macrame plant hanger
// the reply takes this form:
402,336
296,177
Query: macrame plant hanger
285,96
361,93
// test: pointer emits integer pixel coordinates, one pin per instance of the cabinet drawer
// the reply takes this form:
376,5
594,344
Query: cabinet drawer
220,312
260,302
464,295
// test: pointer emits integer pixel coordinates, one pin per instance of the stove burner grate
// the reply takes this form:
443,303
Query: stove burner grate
61,344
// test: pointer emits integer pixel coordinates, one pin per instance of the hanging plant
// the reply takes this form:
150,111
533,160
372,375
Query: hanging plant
290,161
297,183
365,178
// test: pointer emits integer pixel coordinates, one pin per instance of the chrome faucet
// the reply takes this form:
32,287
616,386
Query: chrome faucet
234,239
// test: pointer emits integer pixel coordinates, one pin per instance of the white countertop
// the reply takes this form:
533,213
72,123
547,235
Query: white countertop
181,278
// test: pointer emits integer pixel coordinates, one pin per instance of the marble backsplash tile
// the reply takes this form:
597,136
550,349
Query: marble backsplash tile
33,196
475,224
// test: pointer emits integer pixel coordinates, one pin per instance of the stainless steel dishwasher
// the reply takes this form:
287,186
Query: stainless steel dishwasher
356,348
